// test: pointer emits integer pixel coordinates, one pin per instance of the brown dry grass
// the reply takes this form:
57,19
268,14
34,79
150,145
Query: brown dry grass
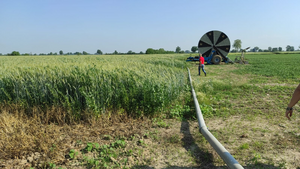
23,136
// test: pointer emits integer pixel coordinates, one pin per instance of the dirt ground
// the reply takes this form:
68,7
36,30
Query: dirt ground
176,145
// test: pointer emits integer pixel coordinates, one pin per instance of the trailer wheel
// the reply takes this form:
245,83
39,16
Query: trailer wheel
216,59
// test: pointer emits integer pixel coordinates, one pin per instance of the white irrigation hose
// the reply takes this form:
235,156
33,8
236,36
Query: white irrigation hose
220,149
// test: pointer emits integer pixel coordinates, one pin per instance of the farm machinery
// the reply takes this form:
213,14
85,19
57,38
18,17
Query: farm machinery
241,59
214,47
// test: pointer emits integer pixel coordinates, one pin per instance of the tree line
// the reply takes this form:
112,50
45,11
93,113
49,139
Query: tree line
236,45
99,52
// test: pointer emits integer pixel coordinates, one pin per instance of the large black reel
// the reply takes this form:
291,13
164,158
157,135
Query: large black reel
214,40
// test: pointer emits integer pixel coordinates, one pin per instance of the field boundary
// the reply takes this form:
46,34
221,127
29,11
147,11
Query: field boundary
219,148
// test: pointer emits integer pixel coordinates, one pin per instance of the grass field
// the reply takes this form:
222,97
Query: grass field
87,104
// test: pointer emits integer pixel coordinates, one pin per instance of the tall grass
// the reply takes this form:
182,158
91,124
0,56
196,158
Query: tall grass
135,84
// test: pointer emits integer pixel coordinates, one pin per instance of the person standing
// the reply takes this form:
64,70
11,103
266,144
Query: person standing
295,98
201,64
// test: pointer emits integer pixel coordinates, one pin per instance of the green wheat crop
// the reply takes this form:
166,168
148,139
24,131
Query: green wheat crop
137,84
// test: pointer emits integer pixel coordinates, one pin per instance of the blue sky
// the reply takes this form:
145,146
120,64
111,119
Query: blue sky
43,26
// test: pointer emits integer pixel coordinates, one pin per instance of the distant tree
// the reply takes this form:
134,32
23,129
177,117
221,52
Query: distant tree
187,51
279,49
266,50
141,52
161,51
237,44
292,48
274,49
55,53
289,48
260,50
150,51
178,49
15,53
194,49
115,52
255,49
130,52
269,49
50,53
61,52
77,53
0,53
84,53
99,52
233,50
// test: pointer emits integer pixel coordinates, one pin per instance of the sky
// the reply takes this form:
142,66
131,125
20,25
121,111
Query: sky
44,26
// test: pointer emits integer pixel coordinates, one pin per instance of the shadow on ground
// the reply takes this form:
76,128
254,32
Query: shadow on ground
201,156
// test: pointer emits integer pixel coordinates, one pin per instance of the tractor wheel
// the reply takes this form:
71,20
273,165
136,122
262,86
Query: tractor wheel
216,59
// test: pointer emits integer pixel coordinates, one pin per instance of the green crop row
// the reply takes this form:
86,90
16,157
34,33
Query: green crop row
137,84
281,66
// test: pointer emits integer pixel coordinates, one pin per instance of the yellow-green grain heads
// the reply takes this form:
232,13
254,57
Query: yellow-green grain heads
136,86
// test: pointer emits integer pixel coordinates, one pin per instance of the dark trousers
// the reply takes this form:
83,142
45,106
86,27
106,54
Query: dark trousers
201,66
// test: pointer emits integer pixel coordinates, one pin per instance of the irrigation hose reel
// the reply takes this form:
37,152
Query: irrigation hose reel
215,44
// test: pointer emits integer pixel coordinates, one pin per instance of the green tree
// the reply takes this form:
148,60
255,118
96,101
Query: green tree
178,49
161,51
269,49
150,51
280,49
15,53
289,48
61,52
130,52
99,52
84,53
141,52
255,49
237,44
194,49
115,52
274,49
